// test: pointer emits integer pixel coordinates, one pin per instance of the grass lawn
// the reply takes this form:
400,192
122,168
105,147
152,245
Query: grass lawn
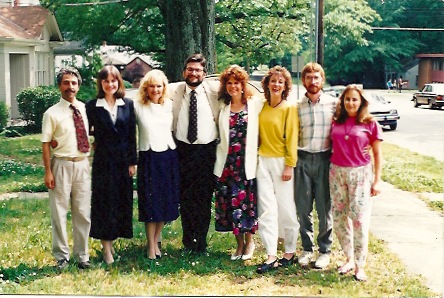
27,266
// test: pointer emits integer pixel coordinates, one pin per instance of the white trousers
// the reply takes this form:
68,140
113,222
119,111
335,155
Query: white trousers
72,187
276,206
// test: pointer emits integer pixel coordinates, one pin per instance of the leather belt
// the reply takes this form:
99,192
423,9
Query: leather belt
73,159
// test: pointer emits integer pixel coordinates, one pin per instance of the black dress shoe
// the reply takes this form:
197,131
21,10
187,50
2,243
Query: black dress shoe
62,264
265,267
84,265
286,262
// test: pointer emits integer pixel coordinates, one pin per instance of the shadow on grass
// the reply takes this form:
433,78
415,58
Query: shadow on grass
175,261
24,274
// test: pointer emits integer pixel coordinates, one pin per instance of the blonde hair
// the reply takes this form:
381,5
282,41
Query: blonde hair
152,77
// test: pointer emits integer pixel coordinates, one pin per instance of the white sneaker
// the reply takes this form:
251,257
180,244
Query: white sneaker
305,258
322,261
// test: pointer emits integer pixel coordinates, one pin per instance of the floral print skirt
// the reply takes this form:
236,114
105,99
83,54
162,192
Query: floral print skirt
236,197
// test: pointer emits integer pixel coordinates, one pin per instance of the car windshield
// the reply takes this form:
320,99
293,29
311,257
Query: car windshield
377,99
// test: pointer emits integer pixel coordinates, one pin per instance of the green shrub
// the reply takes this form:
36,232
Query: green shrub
33,102
127,84
4,115
86,93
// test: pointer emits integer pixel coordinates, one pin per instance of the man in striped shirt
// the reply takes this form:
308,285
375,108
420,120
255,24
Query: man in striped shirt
316,111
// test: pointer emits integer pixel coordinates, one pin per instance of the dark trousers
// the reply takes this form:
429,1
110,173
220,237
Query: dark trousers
311,186
197,184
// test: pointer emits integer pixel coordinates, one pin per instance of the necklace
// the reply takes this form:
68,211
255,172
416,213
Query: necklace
347,132
277,103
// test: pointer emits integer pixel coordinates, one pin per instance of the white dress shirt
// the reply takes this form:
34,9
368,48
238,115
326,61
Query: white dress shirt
206,126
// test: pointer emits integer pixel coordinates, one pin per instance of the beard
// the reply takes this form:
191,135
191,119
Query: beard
193,83
312,89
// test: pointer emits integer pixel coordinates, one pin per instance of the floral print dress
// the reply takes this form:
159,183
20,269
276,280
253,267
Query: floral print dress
236,197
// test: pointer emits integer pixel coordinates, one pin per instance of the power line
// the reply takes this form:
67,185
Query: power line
407,29
96,3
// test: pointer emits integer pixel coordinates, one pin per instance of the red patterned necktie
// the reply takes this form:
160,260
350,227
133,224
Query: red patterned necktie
192,124
82,138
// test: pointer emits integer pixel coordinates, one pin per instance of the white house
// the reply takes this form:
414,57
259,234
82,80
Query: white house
28,35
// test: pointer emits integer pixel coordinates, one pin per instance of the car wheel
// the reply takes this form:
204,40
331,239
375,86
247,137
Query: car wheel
393,126
431,106
415,102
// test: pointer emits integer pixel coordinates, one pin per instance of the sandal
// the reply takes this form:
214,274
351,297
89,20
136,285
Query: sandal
345,268
265,267
284,262
360,275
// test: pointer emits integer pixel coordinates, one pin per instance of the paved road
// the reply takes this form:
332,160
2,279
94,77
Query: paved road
420,129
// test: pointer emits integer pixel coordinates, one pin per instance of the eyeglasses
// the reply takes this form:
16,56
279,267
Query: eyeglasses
197,70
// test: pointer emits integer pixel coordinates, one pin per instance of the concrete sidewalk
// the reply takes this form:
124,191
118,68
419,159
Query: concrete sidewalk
412,231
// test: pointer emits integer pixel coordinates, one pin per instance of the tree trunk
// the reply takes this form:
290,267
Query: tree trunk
189,29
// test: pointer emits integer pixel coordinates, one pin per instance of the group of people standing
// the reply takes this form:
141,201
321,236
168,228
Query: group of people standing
266,162
395,84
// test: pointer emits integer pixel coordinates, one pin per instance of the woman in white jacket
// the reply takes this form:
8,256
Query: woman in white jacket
236,161
158,166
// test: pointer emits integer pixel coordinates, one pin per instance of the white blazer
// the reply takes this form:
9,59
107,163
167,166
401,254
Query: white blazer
254,108
154,122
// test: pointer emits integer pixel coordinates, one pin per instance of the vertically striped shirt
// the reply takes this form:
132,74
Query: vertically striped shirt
315,123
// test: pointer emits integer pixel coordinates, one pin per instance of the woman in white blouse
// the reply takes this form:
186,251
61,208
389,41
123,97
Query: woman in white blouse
158,165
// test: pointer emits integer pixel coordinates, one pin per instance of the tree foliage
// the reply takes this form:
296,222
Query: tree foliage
347,24
136,24
366,55
254,32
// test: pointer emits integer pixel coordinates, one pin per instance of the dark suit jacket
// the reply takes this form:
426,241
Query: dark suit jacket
116,141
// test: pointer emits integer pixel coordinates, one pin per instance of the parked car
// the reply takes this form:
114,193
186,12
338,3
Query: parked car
383,111
431,95
334,91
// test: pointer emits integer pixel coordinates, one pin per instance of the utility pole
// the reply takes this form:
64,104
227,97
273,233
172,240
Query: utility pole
319,32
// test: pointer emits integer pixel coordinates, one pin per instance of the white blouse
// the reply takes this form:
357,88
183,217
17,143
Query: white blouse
101,102
155,122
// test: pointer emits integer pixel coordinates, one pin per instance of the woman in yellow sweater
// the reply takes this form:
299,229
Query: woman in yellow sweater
278,131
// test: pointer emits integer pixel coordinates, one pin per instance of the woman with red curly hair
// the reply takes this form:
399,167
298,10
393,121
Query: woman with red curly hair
236,159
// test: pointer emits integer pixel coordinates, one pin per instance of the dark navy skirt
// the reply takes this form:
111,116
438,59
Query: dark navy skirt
158,186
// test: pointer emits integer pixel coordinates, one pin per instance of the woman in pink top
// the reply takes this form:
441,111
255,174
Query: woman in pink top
353,178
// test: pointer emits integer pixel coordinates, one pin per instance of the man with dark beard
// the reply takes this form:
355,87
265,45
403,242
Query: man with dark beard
195,111
316,111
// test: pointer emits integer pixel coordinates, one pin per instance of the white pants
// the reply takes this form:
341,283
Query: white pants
72,185
276,206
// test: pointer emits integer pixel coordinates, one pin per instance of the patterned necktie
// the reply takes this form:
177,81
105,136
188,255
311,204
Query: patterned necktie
192,125
82,138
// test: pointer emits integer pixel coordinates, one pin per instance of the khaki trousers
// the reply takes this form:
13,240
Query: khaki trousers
72,186
276,206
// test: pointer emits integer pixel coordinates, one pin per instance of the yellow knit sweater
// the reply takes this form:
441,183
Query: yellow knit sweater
278,132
